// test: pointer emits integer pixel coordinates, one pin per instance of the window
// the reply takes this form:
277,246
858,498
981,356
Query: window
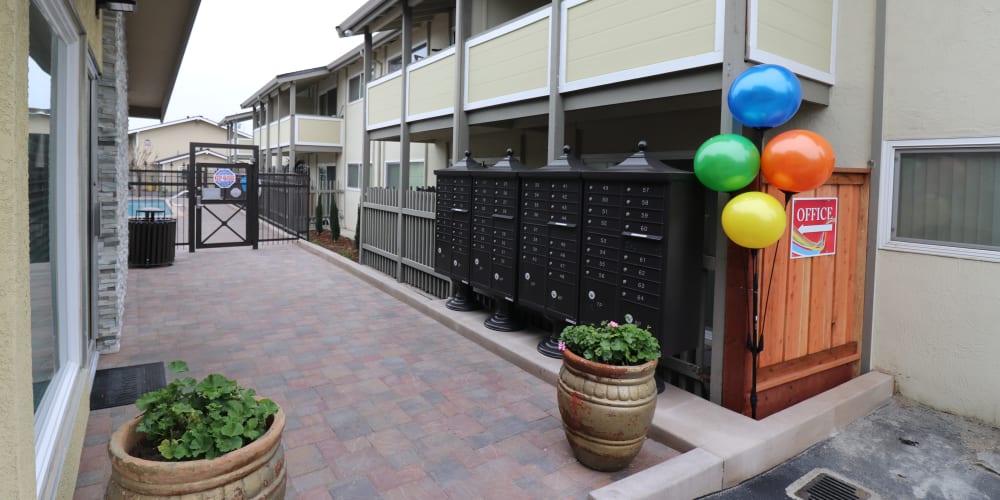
327,177
328,103
355,88
353,176
416,178
942,198
396,63
58,183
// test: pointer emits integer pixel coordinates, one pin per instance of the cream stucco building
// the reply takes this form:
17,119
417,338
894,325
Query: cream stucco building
65,97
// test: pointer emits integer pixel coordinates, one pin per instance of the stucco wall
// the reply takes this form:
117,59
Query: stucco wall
935,324
846,122
17,463
172,140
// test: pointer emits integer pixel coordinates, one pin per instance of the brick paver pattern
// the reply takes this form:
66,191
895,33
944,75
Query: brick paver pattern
382,401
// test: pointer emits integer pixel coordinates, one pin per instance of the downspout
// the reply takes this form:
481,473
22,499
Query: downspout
874,180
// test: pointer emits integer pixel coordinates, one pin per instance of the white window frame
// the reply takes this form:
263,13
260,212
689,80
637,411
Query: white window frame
361,86
58,408
347,183
887,197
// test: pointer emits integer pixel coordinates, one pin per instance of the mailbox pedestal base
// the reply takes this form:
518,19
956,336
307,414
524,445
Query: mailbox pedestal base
464,299
550,346
503,319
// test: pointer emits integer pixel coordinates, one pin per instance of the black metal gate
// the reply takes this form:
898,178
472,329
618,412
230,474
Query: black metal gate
233,204
224,210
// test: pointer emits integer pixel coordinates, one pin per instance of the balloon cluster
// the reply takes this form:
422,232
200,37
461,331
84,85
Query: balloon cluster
762,97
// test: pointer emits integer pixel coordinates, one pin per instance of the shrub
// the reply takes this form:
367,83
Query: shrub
334,219
611,343
189,420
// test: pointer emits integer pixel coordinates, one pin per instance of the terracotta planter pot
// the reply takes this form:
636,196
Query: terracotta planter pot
255,471
606,410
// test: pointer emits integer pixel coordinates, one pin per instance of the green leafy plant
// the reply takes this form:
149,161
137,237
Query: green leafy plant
319,217
334,219
611,343
189,420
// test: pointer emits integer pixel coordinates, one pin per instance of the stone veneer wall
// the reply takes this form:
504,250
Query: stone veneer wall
112,190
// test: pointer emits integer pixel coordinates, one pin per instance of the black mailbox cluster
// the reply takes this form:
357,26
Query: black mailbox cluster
582,245
453,230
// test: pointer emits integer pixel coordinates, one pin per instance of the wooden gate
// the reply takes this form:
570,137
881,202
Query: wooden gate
811,309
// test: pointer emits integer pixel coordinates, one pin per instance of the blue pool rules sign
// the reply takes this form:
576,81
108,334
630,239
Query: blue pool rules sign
224,178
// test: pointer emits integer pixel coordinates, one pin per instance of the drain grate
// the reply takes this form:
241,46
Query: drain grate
822,484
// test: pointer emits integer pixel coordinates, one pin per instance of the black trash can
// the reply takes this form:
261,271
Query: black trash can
151,241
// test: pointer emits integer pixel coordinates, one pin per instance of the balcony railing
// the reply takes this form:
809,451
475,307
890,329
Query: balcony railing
310,130
605,42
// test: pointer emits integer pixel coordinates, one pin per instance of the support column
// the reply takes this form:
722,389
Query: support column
366,146
557,112
460,123
277,122
727,386
266,134
291,126
404,135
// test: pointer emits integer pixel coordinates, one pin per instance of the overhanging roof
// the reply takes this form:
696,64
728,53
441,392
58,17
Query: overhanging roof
156,36
384,15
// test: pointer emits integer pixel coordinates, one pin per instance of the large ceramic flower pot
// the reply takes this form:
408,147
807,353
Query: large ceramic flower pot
255,471
606,410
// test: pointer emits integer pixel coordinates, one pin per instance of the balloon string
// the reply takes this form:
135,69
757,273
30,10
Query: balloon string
767,296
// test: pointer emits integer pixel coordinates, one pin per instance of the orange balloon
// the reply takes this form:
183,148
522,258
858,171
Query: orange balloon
797,160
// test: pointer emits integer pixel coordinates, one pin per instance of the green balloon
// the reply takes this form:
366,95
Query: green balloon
727,162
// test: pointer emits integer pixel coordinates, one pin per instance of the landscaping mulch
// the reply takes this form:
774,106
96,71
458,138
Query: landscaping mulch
344,246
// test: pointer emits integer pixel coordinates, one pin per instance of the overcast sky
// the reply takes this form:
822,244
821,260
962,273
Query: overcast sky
237,46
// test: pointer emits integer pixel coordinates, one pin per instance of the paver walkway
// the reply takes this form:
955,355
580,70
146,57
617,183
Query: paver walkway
382,401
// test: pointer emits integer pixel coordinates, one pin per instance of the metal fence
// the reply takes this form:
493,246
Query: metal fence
164,189
399,241
283,207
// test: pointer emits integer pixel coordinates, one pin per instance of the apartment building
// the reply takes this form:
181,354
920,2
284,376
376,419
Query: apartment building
889,84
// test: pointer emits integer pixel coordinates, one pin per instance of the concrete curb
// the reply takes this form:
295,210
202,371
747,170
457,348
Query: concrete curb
720,448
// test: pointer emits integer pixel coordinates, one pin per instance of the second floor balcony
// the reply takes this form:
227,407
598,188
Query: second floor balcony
306,132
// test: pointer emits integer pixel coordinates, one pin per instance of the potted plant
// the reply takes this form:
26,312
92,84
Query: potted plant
207,439
606,391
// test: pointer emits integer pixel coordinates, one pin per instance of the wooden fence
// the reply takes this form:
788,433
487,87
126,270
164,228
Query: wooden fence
399,241
810,308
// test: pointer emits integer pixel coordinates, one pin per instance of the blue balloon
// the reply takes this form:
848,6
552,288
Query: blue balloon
765,96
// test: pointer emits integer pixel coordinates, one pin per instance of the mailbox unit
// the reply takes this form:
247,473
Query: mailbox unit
495,196
577,245
641,245
453,231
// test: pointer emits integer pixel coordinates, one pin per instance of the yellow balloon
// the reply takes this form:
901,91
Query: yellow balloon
754,220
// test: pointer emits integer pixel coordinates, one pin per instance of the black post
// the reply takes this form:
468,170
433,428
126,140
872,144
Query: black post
755,339
463,298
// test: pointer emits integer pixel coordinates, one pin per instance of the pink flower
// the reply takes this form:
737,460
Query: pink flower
562,346
612,324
